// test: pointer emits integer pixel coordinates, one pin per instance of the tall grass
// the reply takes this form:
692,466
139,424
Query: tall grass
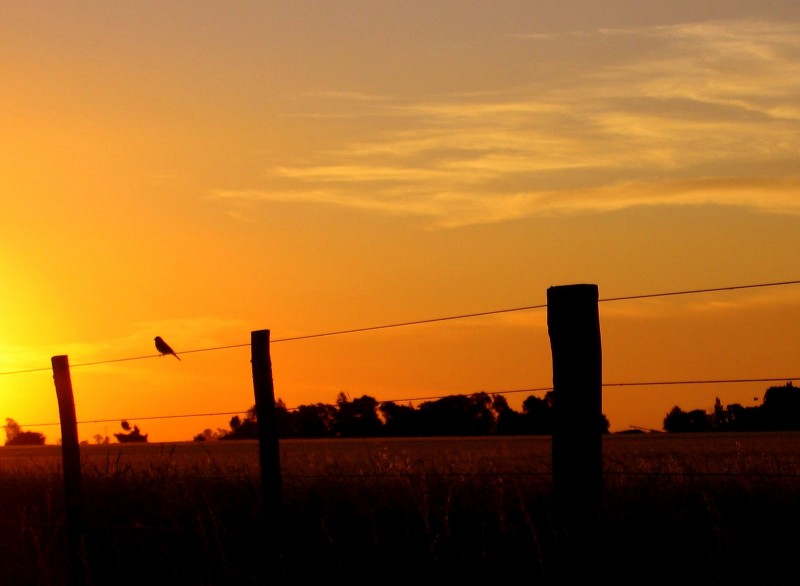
676,509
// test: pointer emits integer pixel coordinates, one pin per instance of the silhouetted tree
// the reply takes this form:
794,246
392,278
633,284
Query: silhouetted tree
781,408
508,421
400,420
286,421
242,428
445,416
457,415
247,427
133,435
316,420
719,417
680,421
780,411
739,418
209,435
15,436
538,415
357,418
480,414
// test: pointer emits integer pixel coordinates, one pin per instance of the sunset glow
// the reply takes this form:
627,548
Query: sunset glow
200,170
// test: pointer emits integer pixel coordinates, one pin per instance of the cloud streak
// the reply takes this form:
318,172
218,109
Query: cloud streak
692,114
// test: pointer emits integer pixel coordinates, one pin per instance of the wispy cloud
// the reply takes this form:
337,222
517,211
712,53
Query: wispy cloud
693,114
454,209
344,95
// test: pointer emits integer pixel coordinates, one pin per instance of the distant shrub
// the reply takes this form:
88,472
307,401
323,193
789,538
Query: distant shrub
27,438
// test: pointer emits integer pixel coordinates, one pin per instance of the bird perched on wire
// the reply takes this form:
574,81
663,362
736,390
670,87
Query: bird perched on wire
164,348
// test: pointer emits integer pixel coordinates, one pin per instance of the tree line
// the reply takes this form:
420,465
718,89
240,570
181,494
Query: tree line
461,415
779,411
454,415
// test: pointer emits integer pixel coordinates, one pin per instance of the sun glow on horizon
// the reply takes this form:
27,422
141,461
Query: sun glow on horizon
202,173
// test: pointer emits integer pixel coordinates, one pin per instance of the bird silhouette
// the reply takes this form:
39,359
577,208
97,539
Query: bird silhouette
164,348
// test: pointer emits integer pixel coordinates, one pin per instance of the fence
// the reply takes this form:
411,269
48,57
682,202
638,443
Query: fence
573,327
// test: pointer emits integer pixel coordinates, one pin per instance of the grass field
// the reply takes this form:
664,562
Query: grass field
709,508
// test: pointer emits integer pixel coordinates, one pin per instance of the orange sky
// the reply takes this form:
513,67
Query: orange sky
200,170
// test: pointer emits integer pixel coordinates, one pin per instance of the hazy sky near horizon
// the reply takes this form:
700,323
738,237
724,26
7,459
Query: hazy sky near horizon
200,170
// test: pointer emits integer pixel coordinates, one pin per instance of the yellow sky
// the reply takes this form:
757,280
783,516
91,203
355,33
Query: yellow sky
200,170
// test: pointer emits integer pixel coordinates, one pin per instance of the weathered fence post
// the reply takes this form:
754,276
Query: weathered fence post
268,449
574,327
71,458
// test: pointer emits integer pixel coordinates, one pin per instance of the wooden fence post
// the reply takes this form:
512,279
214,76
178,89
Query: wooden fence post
574,327
71,458
269,449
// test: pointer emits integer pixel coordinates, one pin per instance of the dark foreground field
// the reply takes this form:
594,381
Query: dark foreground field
691,509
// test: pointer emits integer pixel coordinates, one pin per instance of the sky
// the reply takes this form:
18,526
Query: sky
202,170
